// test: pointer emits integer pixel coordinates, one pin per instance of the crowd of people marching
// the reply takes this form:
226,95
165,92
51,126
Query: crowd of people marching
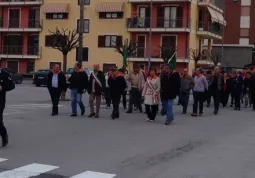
154,90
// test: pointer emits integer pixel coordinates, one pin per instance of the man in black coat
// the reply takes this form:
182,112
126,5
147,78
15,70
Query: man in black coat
96,88
237,90
252,89
170,87
78,85
6,84
117,85
56,85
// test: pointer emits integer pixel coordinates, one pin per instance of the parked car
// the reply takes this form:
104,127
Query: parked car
70,71
41,77
16,78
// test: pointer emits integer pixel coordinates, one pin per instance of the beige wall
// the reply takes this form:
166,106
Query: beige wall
97,27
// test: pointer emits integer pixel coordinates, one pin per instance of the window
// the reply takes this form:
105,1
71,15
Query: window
244,41
85,54
110,15
86,24
245,22
245,2
57,16
109,41
86,2
52,40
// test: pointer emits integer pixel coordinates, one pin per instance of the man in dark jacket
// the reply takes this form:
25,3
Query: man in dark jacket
252,89
170,87
6,85
96,88
217,86
56,85
237,90
78,85
247,90
117,84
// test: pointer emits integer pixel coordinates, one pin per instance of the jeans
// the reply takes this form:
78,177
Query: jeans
76,98
198,99
168,105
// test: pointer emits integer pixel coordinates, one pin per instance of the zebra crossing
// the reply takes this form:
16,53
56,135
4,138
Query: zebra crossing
15,109
34,170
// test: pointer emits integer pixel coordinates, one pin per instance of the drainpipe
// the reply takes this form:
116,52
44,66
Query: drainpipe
81,27
150,34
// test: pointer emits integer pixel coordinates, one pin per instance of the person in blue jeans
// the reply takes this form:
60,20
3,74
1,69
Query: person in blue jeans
170,87
78,85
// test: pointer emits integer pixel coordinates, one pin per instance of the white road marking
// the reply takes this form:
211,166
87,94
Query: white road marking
2,159
27,171
91,174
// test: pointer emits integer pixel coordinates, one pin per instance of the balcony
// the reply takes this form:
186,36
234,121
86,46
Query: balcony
209,3
209,30
20,2
28,52
137,1
157,54
160,24
16,25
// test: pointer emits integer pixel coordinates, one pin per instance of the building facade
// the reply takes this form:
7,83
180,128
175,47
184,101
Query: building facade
179,25
20,25
238,34
104,28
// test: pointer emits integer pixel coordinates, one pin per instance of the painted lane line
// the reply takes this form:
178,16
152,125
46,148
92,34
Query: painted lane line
91,174
27,171
3,159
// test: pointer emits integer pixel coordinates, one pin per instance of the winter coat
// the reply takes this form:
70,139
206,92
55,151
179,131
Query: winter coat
98,89
141,80
79,81
238,84
117,84
152,95
217,84
187,83
62,86
170,86
227,86
246,85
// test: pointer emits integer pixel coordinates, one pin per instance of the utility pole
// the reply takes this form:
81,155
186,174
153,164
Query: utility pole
81,29
150,46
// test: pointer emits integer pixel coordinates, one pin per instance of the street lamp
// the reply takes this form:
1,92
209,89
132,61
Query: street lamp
150,45
81,27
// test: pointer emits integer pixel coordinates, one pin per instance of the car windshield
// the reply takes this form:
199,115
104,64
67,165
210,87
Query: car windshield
43,71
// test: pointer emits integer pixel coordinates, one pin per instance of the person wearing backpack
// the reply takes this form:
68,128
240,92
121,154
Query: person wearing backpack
6,84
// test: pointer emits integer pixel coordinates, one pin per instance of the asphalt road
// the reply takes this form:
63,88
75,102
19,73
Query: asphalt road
42,146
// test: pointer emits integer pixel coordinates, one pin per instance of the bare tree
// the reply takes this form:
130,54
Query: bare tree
65,40
215,58
166,52
196,55
126,49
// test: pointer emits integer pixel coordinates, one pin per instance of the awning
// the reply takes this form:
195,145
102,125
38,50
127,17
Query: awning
110,7
217,16
55,8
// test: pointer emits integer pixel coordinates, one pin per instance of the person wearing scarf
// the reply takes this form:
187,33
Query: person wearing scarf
96,89
117,85
151,95
226,90
56,85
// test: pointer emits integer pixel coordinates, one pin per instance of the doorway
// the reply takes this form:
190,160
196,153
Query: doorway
34,18
141,39
14,18
33,45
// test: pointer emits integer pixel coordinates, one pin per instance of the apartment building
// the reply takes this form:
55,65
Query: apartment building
239,36
104,28
175,23
20,25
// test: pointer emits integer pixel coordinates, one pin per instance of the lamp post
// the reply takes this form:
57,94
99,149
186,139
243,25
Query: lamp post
150,34
81,29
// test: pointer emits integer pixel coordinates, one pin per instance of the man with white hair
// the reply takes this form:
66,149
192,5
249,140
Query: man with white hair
187,83
217,86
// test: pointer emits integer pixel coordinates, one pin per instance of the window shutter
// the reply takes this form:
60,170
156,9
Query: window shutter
101,41
160,15
180,21
101,15
48,40
119,41
85,54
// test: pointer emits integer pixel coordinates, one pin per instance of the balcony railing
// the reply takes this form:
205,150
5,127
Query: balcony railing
18,23
20,1
19,50
160,22
214,28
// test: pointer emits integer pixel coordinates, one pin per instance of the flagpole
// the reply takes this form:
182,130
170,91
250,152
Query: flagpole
171,57
149,50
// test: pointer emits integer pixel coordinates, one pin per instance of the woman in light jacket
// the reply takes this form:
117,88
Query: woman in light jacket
151,94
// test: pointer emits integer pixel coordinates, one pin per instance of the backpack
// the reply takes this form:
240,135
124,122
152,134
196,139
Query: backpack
6,81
